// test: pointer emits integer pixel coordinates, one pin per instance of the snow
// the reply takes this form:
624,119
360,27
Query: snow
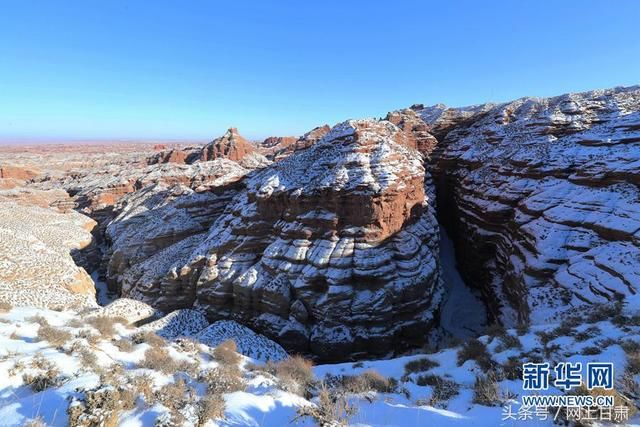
263,403
462,313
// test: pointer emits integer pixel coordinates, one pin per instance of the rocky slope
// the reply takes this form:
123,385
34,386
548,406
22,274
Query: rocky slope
37,248
330,251
541,197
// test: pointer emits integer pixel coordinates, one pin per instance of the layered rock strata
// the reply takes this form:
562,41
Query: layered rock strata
331,251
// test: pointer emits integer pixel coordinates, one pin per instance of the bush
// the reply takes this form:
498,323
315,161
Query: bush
512,368
508,341
475,350
588,333
227,353
124,345
105,324
295,374
369,381
486,391
591,351
211,407
100,407
54,336
148,337
420,365
42,380
223,379
40,320
175,395
331,409
5,307
88,357
47,374
522,329
443,389
158,358
143,386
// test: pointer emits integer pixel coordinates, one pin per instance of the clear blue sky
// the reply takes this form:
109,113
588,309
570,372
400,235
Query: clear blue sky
190,69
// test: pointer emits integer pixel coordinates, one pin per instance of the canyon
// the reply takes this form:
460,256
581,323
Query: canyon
329,243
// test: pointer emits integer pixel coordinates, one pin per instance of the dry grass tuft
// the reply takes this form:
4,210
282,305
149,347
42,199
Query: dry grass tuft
295,374
148,337
5,307
331,409
227,353
420,365
475,350
486,390
106,324
210,407
223,379
55,336
124,345
158,358
443,389
47,375
369,381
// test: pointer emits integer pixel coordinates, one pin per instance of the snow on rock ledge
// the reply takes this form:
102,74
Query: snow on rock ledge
249,343
542,199
331,251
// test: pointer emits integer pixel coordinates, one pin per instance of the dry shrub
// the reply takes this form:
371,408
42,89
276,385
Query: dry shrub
443,389
508,341
47,374
39,319
420,365
210,407
227,353
143,386
632,349
475,350
175,395
588,333
486,390
5,307
105,324
369,381
148,337
158,358
295,374
113,375
522,329
331,409
88,334
512,368
42,380
88,358
55,336
188,345
100,407
124,345
223,379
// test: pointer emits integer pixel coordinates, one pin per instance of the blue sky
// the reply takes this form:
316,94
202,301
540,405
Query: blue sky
190,69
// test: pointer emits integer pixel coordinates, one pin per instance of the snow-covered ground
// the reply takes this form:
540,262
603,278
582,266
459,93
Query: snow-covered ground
462,314
262,400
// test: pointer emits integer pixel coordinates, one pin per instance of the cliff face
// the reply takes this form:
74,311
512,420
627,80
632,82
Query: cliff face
331,251
541,197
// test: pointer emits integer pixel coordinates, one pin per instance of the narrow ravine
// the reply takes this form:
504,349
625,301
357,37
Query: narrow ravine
463,313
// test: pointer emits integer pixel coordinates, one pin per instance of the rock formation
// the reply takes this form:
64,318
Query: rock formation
230,146
36,245
541,197
331,251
